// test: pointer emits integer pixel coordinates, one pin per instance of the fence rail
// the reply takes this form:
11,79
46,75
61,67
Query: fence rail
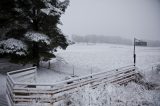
28,92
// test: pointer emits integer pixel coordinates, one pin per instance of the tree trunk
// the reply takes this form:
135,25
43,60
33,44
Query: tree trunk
36,55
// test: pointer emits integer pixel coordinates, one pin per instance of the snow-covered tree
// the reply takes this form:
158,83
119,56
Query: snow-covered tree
28,29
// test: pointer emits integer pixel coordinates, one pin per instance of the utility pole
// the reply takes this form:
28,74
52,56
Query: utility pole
134,52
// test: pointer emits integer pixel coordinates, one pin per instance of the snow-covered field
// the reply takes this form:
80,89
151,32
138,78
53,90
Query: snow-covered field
103,57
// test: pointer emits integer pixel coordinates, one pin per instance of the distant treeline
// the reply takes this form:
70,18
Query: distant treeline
153,43
101,39
108,39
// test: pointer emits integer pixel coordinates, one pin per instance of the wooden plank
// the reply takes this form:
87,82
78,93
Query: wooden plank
22,70
10,92
10,80
126,80
22,74
10,99
112,80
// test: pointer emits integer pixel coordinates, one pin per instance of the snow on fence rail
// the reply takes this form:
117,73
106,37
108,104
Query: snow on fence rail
29,92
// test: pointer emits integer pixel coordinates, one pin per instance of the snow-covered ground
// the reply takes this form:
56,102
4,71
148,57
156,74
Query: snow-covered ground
103,57
2,84
48,76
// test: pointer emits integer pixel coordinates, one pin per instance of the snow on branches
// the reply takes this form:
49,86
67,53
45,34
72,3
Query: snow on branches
14,46
54,10
37,37
51,10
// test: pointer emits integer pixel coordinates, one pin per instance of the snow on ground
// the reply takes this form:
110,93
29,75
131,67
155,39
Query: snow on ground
2,84
48,76
83,59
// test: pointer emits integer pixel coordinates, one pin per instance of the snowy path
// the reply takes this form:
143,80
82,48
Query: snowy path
3,100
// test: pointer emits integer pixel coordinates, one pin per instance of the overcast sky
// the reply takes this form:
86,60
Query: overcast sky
125,18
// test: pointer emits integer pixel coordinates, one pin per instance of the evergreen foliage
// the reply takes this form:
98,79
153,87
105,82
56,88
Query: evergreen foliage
31,24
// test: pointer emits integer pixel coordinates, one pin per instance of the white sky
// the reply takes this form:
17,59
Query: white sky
125,18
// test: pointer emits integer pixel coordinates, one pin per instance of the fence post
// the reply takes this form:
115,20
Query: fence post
49,65
73,71
35,76
91,71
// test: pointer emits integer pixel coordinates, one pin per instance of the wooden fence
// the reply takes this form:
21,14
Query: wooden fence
22,89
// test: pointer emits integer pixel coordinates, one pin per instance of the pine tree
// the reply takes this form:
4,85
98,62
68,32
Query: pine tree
28,29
